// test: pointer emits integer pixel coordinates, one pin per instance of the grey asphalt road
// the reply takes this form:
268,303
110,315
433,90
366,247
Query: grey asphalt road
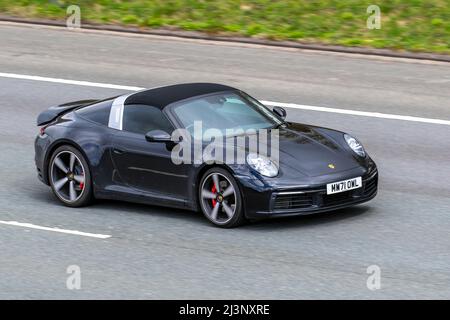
159,253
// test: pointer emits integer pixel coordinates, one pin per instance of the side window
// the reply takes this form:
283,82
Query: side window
98,112
139,118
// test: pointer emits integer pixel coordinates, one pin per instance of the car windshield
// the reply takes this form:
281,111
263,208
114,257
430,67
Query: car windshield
227,112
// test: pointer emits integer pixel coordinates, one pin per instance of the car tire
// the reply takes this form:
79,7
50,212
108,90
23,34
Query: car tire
220,198
69,177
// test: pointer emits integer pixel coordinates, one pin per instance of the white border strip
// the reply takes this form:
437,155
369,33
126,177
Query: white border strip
74,232
270,103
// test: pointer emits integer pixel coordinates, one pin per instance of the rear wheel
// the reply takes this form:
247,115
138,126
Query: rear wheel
220,198
69,177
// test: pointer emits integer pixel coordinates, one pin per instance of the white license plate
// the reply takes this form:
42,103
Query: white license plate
344,185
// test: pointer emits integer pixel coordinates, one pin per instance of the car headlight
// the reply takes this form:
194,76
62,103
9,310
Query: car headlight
262,164
355,145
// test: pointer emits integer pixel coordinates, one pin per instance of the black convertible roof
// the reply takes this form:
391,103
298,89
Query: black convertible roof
163,96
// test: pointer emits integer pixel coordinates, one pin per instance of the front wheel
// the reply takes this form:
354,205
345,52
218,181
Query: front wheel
69,177
220,198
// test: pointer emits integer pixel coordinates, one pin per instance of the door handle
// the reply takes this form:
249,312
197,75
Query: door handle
118,151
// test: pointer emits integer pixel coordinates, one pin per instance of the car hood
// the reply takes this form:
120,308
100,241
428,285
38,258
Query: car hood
306,152
308,155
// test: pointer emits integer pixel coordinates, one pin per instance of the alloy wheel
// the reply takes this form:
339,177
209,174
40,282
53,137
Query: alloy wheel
218,198
68,176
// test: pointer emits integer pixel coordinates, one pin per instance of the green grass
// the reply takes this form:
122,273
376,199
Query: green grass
414,25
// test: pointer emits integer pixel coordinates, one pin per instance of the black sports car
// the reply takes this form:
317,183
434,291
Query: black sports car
123,148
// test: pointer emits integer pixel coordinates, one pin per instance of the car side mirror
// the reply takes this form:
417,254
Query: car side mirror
279,111
158,136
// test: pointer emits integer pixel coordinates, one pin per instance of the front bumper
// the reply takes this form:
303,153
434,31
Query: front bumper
303,201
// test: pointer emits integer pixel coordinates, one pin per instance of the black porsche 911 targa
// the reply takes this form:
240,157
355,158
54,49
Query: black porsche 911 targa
122,148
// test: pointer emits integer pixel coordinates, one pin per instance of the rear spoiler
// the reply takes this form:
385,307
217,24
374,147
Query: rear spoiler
53,112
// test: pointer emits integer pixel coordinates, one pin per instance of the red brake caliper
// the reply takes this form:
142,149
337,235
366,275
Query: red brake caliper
214,191
81,185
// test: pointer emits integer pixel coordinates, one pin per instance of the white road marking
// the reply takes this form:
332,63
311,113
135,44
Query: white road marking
73,82
270,103
74,232
358,113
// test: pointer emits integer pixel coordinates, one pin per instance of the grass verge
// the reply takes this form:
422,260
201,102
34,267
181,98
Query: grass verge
413,25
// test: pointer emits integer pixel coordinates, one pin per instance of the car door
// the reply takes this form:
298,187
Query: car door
143,165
